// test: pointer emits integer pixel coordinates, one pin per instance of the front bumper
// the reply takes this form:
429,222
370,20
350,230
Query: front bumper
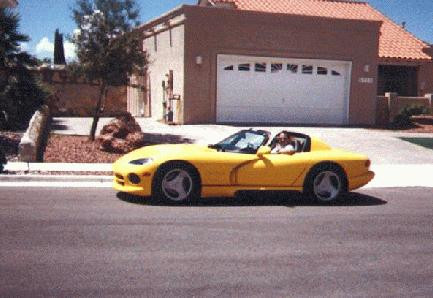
123,184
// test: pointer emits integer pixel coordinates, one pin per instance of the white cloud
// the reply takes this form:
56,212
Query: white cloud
24,46
45,46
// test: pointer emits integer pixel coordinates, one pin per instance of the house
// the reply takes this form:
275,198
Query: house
8,3
277,61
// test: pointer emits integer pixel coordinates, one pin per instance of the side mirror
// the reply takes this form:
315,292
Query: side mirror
263,150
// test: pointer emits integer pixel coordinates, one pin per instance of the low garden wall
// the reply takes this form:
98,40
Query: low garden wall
390,105
79,100
73,97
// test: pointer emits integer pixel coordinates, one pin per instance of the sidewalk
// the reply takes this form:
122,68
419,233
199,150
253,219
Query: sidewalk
401,175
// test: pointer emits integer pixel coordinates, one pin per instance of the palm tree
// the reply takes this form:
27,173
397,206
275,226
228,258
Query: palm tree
20,94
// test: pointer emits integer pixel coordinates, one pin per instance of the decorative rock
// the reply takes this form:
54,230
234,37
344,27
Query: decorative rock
31,142
121,135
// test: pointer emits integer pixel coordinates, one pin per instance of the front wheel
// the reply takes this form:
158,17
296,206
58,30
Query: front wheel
176,183
325,183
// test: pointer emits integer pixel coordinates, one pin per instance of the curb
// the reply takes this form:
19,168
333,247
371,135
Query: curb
58,167
56,178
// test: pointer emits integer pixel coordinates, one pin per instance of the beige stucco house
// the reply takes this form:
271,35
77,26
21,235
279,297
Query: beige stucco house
280,61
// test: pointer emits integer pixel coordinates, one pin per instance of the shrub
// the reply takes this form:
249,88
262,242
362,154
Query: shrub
403,118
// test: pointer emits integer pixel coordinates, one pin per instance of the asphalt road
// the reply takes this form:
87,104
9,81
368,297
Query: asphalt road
92,242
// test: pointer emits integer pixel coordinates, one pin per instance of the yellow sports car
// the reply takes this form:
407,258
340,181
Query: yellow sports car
242,162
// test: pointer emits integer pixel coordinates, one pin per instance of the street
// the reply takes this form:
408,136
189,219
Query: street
95,242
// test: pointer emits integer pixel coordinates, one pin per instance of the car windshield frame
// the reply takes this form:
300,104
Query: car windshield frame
243,141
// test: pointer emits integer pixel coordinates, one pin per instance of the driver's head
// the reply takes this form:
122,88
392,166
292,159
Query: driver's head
283,138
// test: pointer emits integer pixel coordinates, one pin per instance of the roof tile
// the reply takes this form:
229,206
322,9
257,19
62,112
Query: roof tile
395,41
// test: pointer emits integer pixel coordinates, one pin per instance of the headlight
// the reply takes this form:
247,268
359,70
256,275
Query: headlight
141,161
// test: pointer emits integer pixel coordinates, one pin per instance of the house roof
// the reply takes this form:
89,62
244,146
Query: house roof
395,42
8,3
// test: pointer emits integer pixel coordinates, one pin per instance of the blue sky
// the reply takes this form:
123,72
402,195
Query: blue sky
40,18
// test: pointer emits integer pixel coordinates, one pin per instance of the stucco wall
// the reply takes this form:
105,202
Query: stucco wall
209,32
164,57
74,97
425,79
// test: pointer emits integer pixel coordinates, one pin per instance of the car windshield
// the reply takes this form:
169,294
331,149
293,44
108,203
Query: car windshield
244,141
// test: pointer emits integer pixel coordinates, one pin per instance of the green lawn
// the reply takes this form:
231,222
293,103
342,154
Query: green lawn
425,142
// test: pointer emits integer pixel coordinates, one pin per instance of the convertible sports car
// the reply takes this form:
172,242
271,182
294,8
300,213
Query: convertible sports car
241,162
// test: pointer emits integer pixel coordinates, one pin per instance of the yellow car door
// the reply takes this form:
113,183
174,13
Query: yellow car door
272,170
219,168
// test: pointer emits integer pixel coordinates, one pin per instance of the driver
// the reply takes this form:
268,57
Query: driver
285,144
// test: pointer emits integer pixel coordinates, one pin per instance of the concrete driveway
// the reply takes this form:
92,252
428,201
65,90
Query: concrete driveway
383,147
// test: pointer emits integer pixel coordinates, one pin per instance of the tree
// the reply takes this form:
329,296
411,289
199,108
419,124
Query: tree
59,50
20,93
108,48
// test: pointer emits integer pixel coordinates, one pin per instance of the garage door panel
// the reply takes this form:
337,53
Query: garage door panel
283,93
277,115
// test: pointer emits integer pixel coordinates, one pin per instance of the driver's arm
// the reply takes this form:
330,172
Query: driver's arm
289,149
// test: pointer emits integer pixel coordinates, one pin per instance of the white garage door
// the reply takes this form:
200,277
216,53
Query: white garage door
263,89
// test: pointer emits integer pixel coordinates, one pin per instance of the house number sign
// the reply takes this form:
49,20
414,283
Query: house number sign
366,80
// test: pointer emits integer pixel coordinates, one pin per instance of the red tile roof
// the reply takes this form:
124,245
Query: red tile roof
395,42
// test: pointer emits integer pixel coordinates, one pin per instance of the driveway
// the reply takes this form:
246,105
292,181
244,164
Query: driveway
383,147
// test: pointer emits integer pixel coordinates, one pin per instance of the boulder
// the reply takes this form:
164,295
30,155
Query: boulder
121,135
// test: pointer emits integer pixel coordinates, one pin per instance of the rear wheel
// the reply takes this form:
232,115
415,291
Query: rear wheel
325,183
176,183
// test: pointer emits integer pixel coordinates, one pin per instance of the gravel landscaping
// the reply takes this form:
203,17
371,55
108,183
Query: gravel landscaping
70,149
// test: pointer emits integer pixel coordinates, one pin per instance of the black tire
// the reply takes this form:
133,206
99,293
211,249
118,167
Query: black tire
325,183
176,183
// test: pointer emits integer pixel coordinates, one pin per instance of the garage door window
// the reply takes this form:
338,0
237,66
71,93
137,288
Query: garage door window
307,69
322,71
335,73
260,67
276,67
244,67
293,68
230,67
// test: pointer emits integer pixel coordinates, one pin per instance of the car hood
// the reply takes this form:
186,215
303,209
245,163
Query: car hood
165,151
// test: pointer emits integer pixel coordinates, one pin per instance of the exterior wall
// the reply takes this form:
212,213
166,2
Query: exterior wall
211,31
164,57
425,78
75,98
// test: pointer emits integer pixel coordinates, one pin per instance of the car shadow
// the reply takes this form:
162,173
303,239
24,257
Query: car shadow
155,138
256,199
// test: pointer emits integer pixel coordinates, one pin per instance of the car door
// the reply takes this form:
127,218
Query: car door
219,168
272,170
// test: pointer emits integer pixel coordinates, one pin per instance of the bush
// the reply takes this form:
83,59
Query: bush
403,118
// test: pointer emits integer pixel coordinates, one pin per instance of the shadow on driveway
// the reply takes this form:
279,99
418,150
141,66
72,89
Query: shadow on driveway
57,125
155,138
255,199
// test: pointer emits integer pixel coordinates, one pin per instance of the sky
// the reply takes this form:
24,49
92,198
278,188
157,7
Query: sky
40,18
